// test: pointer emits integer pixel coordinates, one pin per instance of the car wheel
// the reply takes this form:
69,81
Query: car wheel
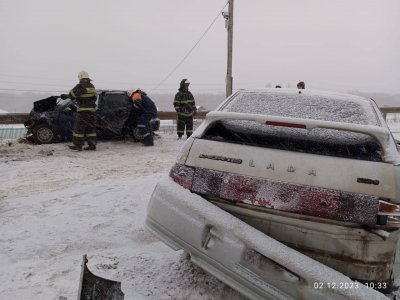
137,135
43,134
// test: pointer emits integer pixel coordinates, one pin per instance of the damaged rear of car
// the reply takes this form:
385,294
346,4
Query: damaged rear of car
316,171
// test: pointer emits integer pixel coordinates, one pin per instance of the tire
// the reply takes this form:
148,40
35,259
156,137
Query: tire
136,134
43,134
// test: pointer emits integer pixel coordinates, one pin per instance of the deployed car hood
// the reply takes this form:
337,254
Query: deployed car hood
47,104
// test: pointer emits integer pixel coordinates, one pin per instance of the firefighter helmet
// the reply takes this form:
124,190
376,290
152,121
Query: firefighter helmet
83,74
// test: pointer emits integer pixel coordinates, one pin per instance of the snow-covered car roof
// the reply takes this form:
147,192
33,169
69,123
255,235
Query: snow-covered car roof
305,104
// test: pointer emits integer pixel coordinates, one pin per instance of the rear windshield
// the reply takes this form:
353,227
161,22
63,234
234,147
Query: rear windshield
336,108
318,141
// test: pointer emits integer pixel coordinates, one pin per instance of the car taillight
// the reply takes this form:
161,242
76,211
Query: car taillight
389,214
387,207
182,175
284,124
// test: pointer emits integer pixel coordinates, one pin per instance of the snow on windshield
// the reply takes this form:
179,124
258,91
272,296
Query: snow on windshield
305,105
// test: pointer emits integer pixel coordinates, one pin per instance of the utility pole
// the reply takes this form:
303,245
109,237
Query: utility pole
229,26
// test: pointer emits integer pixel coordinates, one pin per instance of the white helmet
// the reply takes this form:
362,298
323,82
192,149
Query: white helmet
131,92
83,74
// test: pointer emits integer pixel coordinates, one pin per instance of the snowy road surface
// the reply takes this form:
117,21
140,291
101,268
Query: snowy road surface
56,205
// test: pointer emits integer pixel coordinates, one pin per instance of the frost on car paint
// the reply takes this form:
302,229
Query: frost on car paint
335,108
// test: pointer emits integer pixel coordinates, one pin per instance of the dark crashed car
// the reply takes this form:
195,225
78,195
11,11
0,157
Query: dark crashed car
51,120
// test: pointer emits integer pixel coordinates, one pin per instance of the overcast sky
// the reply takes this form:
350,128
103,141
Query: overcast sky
336,45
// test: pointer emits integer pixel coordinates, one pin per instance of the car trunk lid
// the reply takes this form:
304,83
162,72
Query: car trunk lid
346,175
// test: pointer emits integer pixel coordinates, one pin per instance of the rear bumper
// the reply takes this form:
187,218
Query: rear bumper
241,256
350,249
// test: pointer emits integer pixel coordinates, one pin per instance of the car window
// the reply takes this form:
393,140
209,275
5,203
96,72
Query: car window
320,141
336,108
115,101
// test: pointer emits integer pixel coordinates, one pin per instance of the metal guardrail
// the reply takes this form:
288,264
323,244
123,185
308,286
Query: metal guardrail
20,118
389,110
16,118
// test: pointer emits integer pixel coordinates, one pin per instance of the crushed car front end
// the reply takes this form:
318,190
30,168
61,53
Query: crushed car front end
42,124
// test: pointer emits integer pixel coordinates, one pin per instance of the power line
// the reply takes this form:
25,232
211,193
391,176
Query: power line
191,50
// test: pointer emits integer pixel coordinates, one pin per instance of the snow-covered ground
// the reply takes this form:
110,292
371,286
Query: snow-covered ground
56,205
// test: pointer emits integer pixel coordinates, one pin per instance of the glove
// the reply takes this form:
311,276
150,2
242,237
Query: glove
64,96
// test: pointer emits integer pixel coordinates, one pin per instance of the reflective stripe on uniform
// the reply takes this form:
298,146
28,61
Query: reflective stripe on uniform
189,131
91,134
90,92
184,101
146,134
86,109
141,126
78,135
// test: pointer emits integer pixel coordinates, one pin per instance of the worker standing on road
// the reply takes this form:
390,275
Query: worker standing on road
145,109
185,107
85,118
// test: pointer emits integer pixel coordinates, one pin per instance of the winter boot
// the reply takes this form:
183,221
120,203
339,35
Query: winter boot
75,148
148,140
90,147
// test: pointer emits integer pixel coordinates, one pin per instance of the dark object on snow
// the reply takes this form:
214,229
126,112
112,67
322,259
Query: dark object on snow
92,287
